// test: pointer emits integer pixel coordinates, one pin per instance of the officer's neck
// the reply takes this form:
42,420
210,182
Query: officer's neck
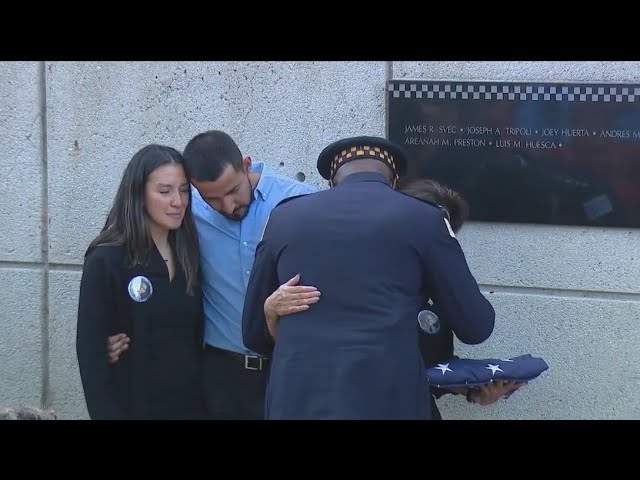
363,169
363,176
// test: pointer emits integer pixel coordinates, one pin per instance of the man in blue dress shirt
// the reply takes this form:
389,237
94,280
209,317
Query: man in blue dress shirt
232,200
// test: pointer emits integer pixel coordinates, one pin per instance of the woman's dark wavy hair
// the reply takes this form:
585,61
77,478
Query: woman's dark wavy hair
127,223
426,189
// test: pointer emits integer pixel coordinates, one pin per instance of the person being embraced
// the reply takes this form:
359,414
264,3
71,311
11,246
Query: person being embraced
437,344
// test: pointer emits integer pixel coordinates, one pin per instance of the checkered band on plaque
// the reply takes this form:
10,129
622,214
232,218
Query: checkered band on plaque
488,91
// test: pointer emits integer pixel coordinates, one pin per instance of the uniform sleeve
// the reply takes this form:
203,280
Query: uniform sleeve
96,311
263,281
453,288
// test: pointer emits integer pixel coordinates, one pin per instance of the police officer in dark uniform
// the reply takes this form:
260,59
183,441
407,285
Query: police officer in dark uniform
355,354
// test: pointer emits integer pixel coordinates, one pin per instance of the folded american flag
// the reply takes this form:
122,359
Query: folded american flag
460,372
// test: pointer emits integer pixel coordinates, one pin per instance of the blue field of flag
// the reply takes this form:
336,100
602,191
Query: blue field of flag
460,372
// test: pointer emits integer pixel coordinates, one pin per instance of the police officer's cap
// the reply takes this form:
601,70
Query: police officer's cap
354,148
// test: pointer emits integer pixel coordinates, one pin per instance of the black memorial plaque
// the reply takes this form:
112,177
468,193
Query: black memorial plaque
565,154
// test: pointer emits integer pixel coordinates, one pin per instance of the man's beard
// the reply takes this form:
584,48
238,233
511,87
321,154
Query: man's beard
246,207
239,218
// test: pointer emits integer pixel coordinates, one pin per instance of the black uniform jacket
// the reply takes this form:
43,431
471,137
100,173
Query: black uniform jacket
436,347
374,253
160,376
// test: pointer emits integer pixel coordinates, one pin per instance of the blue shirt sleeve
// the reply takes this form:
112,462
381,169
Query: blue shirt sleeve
263,281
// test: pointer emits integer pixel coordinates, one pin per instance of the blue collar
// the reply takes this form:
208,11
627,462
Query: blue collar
266,180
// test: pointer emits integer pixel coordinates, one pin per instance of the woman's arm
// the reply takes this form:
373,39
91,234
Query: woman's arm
96,311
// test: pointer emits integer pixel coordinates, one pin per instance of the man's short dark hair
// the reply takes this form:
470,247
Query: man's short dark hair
450,200
207,155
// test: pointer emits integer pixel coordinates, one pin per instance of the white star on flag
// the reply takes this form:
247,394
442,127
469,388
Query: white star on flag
444,367
493,368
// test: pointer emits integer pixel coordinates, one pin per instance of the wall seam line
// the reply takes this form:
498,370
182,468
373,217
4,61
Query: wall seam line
45,397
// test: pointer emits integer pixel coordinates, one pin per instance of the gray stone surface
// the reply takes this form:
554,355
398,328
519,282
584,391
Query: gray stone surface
67,397
100,114
20,162
21,340
555,257
521,71
591,347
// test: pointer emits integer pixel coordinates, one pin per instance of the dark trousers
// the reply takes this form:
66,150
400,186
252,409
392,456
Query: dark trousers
234,384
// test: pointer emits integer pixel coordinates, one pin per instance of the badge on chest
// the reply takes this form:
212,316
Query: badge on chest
140,289
429,322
